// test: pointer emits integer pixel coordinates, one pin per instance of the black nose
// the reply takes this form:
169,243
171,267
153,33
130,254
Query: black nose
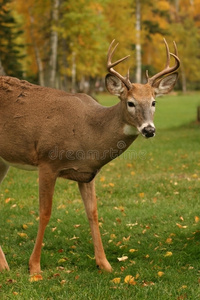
148,131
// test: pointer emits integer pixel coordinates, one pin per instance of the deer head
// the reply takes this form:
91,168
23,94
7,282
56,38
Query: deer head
138,100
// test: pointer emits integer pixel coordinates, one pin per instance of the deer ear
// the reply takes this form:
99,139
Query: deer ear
166,84
114,85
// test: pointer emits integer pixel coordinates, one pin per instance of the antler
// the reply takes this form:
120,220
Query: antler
167,69
110,65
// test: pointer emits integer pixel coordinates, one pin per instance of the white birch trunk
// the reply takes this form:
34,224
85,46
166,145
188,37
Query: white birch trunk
138,43
54,44
37,52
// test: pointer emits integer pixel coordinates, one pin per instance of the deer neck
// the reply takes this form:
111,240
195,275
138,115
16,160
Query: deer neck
112,133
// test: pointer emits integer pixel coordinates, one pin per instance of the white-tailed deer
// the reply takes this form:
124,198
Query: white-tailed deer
72,136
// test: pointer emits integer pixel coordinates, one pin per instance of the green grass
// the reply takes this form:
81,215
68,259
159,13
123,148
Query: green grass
148,200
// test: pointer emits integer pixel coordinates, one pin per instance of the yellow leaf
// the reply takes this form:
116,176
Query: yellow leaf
181,226
168,253
196,219
133,250
113,236
126,239
62,260
129,165
102,179
36,277
111,184
194,176
24,226
168,241
141,195
22,234
128,278
160,274
137,276
7,200
132,173
116,280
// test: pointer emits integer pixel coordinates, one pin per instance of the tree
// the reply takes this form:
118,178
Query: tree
10,49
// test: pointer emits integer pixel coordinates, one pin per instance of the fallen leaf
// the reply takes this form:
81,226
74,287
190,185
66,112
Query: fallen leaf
62,260
168,253
133,250
113,236
141,195
181,226
102,179
168,241
7,200
36,277
22,234
126,239
24,226
116,280
63,281
77,225
147,283
160,274
196,219
111,184
123,258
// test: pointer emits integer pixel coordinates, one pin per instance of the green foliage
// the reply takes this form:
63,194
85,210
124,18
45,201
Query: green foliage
10,48
148,203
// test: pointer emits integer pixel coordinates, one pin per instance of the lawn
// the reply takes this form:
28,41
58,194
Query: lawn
149,215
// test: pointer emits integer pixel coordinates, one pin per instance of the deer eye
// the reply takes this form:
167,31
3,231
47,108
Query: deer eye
131,104
153,103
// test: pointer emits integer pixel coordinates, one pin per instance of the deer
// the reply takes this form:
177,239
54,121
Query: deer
70,135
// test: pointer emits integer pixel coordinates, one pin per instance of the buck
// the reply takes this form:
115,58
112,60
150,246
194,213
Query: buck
72,136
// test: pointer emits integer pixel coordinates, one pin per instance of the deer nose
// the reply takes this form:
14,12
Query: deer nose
148,131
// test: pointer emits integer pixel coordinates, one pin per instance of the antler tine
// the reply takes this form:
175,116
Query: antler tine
110,65
167,69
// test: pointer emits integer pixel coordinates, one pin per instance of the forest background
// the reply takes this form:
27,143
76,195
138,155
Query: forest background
64,43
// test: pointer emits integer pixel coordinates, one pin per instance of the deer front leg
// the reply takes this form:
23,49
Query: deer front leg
87,191
46,188
3,262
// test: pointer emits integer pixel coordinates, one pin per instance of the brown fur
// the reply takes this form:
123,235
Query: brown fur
66,135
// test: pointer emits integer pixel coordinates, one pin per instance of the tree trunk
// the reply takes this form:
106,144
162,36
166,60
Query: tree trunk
1,69
37,52
198,114
73,89
54,44
138,43
183,80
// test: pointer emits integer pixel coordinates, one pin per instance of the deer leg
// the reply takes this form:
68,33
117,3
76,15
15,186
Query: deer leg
47,181
3,263
87,191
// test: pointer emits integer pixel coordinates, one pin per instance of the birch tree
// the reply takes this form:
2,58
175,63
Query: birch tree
54,43
138,42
